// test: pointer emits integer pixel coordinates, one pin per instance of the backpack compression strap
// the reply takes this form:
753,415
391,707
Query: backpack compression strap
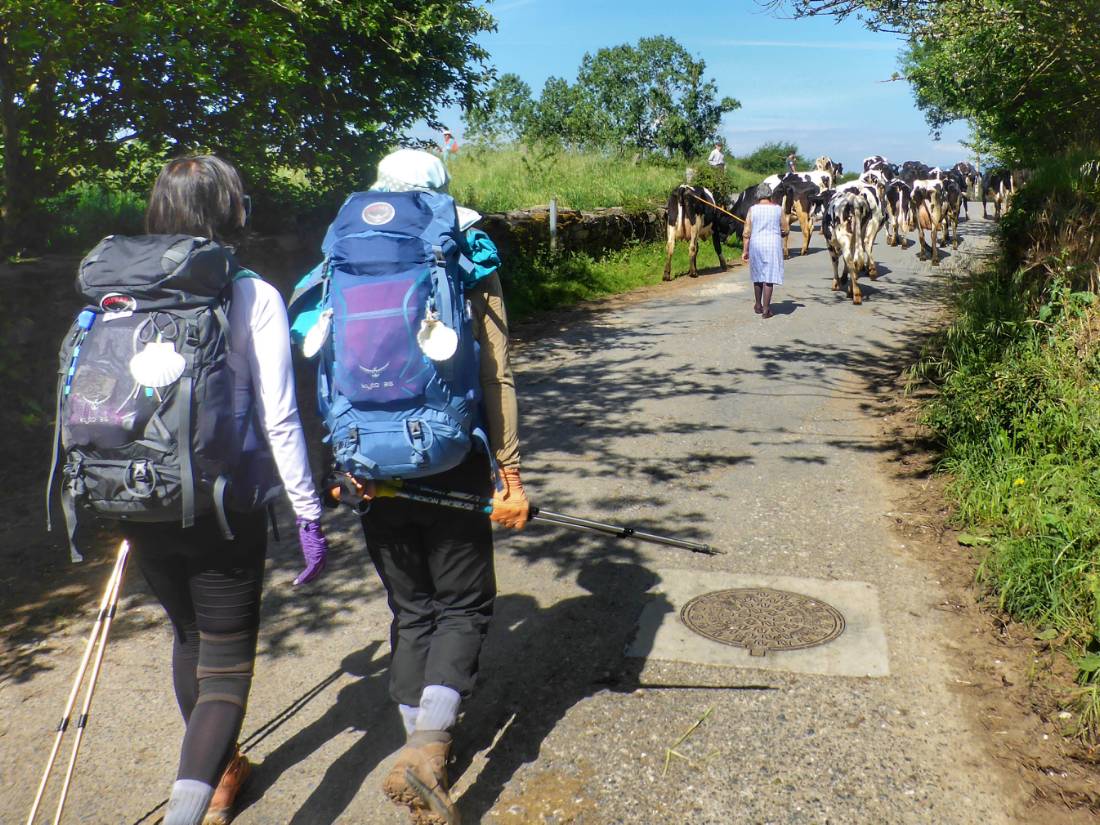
64,383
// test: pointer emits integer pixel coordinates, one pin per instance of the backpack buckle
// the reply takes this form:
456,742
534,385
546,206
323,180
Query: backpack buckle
420,439
191,336
74,472
140,479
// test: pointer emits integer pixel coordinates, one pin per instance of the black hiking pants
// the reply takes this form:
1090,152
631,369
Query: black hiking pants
210,589
436,564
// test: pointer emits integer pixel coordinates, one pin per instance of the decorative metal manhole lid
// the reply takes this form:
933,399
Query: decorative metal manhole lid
762,619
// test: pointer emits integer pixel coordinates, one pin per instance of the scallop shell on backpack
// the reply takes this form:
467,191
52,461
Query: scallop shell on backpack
158,365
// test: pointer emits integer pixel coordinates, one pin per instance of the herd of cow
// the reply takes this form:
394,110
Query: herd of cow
912,196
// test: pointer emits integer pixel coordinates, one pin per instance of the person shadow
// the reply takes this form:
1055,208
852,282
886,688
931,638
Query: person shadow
363,705
538,663
786,307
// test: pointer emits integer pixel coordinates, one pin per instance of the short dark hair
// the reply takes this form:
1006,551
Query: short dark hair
197,195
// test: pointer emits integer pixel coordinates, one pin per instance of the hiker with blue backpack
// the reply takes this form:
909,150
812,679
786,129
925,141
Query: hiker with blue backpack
407,315
177,417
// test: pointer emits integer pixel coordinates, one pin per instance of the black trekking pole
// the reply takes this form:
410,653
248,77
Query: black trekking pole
480,504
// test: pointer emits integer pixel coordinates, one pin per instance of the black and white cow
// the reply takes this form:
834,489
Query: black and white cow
881,167
997,185
827,164
821,178
928,205
873,191
913,170
873,161
693,216
968,173
843,225
899,212
954,199
796,198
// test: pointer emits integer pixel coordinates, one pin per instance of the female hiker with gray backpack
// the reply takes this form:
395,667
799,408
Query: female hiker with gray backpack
177,416
407,315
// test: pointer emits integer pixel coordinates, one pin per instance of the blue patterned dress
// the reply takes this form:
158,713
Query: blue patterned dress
766,244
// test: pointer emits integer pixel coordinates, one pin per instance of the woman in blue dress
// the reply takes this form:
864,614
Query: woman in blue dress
765,228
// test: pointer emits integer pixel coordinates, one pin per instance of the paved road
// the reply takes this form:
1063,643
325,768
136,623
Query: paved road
685,413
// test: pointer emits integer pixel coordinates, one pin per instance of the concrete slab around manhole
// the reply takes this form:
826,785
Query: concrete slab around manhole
859,651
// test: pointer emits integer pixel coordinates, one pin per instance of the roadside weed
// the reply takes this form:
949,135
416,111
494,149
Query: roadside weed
1018,415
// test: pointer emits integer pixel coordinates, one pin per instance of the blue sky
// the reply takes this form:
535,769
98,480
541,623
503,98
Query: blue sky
812,81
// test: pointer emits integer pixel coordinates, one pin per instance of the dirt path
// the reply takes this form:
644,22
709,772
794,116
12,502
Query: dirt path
682,412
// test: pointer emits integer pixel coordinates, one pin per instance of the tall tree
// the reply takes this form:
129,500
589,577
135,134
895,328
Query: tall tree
503,113
320,86
653,96
1024,72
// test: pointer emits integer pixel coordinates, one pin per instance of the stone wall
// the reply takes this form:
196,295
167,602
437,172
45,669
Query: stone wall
518,235
527,232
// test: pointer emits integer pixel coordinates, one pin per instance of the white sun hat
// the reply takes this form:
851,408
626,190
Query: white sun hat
409,169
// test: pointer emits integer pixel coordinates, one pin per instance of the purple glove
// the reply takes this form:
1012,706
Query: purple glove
314,550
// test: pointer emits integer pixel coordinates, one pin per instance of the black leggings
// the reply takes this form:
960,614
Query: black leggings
210,589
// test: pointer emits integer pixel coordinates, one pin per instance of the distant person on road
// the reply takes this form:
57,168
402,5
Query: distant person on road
449,146
716,158
765,228
792,159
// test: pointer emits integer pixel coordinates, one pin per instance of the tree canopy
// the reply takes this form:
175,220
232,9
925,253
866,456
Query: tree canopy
1023,72
651,96
319,86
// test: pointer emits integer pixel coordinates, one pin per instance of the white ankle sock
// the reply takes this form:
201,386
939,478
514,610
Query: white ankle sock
188,803
438,708
408,717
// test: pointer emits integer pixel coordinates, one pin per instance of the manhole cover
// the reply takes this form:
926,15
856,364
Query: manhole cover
762,619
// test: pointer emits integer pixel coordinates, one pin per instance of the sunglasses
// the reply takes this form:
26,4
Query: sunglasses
247,203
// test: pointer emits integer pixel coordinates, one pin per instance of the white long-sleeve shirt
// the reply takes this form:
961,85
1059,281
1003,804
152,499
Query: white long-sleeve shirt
263,380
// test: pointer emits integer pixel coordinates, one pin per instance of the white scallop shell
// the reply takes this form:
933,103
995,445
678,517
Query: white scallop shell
317,335
437,340
158,365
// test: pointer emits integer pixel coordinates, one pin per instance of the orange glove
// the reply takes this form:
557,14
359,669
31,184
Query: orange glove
510,505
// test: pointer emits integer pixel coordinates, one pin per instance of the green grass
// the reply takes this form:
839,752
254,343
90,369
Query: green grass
497,180
551,282
1018,413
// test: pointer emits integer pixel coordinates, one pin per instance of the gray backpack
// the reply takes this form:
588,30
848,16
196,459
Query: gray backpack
145,428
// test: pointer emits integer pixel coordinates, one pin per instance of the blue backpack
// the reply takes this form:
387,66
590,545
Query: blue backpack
394,263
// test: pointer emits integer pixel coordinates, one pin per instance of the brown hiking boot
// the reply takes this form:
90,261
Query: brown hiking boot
418,779
233,779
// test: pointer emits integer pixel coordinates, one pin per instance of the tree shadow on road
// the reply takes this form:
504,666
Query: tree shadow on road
541,661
